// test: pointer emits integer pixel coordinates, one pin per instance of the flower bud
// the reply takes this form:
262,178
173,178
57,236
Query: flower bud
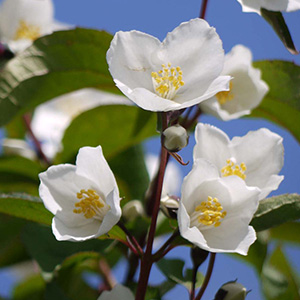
231,291
175,138
169,206
132,210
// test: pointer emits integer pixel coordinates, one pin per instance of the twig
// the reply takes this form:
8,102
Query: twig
203,9
107,274
131,239
37,143
207,276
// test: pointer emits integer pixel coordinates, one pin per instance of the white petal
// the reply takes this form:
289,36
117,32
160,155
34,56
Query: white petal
197,49
247,89
262,152
274,5
91,164
202,171
119,292
129,58
84,232
211,144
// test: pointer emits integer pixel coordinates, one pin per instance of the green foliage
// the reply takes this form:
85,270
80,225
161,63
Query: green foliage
282,104
276,20
49,253
276,210
19,174
287,232
278,278
120,127
131,173
59,63
173,270
26,207
12,250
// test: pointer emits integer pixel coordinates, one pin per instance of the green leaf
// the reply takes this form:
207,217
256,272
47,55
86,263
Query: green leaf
282,282
276,210
48,252
26,207
131,173
59,63
115,128
276,20
172,269
287,232
31,289
282,104
12,250
19,174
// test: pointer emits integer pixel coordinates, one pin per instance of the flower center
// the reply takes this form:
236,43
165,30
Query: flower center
27,31
209,213
225,96
234,169
167,81
91,205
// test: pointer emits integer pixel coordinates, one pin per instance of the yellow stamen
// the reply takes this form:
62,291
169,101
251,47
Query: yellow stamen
27,31
167,81
225,96
210,212
234,169
89,204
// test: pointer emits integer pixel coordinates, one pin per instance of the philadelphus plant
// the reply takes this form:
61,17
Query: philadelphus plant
179,72
274,5
83,198
256,158
23,21
214,212
246,88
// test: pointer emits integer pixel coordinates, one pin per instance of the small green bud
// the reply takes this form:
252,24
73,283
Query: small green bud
231,291
175,138
132,210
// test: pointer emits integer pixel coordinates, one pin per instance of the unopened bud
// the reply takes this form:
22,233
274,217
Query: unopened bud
231,291
175,138
169,206
132,210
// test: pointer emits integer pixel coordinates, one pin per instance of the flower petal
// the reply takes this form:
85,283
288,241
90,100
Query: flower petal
119,292
91,164
262,152
129,59
196,48
211,144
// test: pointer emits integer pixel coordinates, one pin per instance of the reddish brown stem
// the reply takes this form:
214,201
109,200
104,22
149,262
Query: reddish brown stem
37,143
147,260
108,278
207,276
203,9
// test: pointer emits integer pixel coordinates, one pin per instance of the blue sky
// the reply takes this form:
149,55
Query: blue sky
157,17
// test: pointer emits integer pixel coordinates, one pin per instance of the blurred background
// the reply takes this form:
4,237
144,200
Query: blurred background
157,17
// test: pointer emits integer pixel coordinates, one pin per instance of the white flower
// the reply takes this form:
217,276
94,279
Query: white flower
172,178
119,292
214,213
51,119
246,88
83,198
23,21
256,157
179,72
274,5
